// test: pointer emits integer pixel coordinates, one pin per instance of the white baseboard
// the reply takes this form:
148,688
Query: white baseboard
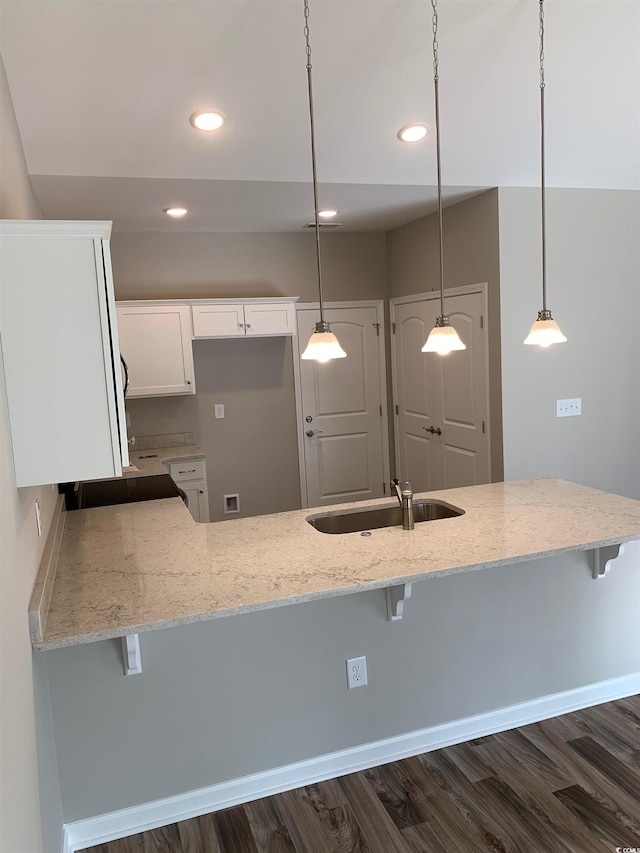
118,824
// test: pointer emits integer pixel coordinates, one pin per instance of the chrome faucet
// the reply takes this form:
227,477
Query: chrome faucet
405,498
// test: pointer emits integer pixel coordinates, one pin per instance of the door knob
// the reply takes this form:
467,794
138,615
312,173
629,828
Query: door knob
433,430
312,432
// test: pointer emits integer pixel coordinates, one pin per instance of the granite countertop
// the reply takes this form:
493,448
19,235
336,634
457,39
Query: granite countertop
145,566
151,461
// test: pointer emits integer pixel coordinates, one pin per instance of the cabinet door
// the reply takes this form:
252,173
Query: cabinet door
156,344
63,394
277,318
218,321
196,492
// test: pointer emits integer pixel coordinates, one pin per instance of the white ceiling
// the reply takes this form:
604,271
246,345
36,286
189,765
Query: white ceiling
103,90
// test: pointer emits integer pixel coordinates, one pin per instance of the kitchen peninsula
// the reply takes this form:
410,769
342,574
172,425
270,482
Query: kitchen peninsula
122,570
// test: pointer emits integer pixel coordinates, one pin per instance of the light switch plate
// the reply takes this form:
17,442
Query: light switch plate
218,410
569,408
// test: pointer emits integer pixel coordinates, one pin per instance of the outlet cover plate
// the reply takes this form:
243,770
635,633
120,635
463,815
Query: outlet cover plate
571,408
357,672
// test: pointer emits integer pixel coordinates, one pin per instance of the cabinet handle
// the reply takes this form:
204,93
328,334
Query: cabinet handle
188,382
190,471
201,491
241,325
248,325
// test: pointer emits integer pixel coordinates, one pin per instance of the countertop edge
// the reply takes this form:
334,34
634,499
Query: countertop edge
271,604
41,596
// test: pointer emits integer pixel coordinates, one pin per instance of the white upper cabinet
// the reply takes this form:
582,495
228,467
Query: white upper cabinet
218,321
258,318
155,341
60,351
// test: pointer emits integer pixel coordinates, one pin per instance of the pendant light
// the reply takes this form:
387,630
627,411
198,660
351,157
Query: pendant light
443,338
323,344
545,331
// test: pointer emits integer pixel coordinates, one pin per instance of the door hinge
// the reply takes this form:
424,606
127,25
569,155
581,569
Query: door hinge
481,321
397,412
393,328
483,428
384,488
377,325
380,409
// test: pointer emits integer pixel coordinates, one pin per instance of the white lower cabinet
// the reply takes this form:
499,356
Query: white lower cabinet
60,351
190,475
155,341
198,499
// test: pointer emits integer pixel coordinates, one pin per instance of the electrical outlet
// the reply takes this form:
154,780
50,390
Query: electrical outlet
569,408
218,410
357,672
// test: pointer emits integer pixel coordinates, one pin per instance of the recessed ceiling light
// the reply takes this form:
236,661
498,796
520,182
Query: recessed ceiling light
413,132
207,119
327,214
176,211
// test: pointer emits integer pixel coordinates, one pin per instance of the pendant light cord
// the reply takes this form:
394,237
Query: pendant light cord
436,79
542,163
313,155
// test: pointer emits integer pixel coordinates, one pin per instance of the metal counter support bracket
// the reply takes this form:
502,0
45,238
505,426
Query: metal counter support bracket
396,597
603,558
131,654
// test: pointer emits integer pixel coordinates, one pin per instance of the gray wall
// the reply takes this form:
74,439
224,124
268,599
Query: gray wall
22,766
594,294
161,265
468,644
253,451
471,256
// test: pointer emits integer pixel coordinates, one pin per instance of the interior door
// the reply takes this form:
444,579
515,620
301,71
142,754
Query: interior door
342,410
441,419
416,386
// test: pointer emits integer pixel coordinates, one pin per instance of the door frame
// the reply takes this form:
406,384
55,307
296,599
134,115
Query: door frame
464,290
378,304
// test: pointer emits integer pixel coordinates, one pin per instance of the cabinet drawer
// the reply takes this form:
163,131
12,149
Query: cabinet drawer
188,469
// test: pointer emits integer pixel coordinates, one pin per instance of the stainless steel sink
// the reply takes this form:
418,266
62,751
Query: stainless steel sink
352,521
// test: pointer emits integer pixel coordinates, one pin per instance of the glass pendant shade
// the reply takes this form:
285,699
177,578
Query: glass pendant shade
443,338
545,331
323,345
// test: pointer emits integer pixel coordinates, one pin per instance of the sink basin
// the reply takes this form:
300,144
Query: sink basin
352,521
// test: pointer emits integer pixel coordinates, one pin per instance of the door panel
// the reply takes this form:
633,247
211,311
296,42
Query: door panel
341,402
344,463
342,384
418,461
460,466
444,392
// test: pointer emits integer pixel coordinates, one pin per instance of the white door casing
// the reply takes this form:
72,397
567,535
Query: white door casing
448,393
343,405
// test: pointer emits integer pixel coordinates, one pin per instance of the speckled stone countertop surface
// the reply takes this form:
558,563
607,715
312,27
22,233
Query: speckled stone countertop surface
145,566
152,461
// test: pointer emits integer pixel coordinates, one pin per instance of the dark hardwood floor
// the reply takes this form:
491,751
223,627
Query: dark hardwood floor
566,785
